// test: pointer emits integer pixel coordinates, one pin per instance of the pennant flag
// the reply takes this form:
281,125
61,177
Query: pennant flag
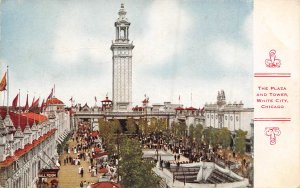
32,102
50,95
15,102
42,106
3,83
26,105
202,110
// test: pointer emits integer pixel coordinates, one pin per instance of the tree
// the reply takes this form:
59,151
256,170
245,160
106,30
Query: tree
143,127
240,141
135,171
130,125
116,126
211,136
224,136
153,125
105,130
162,125
198,134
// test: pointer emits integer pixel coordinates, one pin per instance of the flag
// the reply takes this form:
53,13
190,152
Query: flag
50,95
3,83
32,102
42,106
202,110
26,105
15,102
71,99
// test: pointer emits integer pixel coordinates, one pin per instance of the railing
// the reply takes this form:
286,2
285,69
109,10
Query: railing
83,113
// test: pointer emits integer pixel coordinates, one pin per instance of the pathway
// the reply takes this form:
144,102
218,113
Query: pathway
68,175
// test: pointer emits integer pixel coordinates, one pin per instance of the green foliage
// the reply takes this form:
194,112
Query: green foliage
178,129
135,172
153,125
116,126
130,125
162,125
224,136
198,132
240,141
143,127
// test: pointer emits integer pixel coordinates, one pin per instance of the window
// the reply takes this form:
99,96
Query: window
212,116
225,117
237,118
231,118
207,115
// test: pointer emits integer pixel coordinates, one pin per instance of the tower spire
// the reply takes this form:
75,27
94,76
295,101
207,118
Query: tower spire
122,64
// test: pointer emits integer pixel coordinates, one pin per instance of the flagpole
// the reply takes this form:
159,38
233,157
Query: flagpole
4,98
19,108
7,90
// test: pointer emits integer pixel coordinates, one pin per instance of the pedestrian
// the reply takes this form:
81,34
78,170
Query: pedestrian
81,171
81,184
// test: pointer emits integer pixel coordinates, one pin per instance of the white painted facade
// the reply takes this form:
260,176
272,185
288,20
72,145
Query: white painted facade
232,116
122,64
24,153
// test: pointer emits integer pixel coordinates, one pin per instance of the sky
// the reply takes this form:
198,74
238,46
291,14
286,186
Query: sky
186,48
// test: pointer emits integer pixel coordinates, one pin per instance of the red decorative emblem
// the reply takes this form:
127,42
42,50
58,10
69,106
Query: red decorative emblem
273,62
272,132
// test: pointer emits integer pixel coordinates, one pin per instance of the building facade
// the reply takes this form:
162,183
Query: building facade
230,115
58,115
122,64
26,147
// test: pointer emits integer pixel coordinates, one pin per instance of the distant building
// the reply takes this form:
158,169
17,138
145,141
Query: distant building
56,112
230,115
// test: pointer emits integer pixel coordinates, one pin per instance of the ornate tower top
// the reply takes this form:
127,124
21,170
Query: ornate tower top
221,99
122,13
122,26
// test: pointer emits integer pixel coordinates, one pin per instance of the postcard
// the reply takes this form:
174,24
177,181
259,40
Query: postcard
154,93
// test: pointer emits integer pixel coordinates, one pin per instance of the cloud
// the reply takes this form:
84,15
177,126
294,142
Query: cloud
81,35
167,24
232,54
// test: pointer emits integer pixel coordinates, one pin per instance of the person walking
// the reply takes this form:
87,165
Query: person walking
81,171
81,184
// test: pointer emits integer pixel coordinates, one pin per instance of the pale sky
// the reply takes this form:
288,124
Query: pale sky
181,47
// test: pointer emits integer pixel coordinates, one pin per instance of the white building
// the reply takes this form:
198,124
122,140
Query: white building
25,148
230,115
122,64
57,114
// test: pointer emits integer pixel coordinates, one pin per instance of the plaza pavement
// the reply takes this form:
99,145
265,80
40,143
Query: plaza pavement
68,176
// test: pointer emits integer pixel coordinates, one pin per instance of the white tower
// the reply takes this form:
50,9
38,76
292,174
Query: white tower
122,64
